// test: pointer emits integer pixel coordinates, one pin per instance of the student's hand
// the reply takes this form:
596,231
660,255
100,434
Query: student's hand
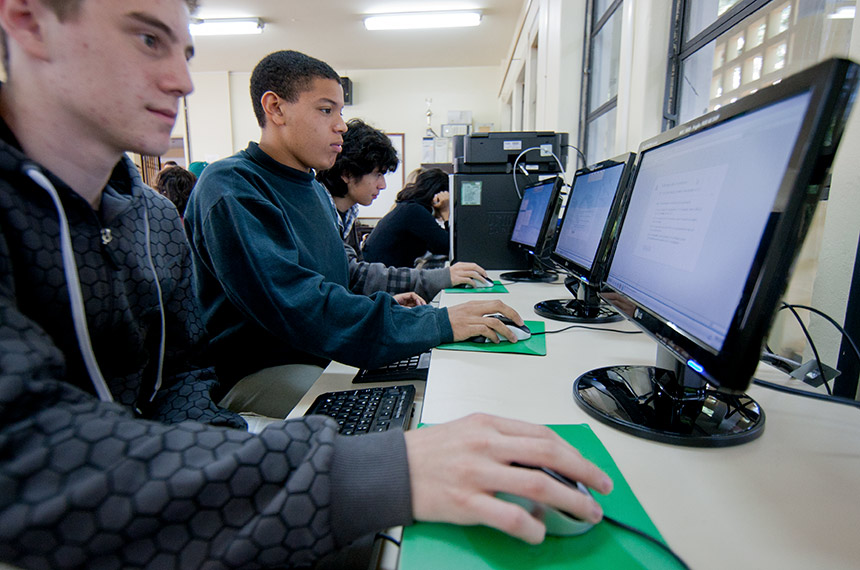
457,468
463,273
440,205
410,299
468,320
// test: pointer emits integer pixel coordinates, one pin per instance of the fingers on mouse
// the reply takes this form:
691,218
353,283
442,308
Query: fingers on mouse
556,521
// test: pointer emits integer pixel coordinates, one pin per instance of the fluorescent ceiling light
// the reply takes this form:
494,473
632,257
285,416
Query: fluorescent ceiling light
420,20
226,27
843,13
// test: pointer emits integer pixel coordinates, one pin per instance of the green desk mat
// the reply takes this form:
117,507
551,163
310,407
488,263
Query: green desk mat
496,288
535,345
447,546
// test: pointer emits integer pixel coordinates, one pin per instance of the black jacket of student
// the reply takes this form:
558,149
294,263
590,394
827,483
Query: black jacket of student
410,230
86,483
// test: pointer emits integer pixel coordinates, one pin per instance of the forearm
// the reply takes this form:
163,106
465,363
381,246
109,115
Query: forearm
367,278
370,476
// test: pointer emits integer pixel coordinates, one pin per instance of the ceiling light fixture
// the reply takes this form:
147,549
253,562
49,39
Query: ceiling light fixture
422,20
226,27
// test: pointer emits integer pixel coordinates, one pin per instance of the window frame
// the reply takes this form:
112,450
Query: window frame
592,29
679,50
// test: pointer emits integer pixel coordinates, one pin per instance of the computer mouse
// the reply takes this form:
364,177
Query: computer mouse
557,522
479,283
522,332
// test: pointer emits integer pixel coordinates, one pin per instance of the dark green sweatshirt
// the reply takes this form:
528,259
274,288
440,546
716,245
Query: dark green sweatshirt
273,277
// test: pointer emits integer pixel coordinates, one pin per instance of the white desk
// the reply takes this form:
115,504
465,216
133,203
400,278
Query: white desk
786,500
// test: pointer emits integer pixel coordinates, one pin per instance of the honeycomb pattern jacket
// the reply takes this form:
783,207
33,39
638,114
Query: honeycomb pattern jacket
159,478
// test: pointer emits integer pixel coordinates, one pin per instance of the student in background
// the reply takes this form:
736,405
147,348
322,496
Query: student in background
272,274
356,178
113,455
411,230
175,183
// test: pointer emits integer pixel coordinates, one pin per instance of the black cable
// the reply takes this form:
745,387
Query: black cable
805,394
567,328
388,537
647,536
811,345
832,322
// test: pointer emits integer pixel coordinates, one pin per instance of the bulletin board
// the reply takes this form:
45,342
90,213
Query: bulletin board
394,182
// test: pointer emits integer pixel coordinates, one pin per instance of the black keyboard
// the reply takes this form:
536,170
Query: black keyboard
367,410
412,368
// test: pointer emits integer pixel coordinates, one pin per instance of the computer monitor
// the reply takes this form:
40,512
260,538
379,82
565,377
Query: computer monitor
717,212
535,226
585,239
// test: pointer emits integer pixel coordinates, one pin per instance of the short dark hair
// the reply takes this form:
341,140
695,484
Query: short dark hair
175,183
364,150
426,185
287,74
65,10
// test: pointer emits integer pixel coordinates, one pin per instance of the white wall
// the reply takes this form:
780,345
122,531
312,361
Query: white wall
222,120
557,27
209,117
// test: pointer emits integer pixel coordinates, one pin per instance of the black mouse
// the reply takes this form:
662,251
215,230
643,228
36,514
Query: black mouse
557,522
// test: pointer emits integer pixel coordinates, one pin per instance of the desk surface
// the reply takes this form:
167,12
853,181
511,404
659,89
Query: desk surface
786,500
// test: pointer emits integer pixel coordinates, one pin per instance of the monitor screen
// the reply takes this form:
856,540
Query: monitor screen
697,212
536,209
594,198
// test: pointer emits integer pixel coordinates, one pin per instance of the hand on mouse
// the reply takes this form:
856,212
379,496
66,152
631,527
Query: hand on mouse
468,320
456,468
465,273
410,299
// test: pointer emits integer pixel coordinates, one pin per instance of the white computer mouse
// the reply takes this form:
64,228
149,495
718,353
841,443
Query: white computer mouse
480,283
521,332
557,522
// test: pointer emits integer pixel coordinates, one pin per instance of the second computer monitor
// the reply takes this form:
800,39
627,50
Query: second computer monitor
535,227
584,241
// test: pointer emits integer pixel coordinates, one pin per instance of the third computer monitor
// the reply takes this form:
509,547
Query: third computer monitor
535,227
584,240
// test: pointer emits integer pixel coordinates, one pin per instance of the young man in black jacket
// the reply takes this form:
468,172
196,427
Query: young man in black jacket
111,453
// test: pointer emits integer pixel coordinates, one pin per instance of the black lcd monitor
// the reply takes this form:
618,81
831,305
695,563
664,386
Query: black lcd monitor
534,228
718,209
583,243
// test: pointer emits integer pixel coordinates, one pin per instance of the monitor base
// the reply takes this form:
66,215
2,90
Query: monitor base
532,275
650,402
575,311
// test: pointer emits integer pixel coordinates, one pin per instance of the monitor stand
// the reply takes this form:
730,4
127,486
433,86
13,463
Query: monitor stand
590,309
533,275
671,404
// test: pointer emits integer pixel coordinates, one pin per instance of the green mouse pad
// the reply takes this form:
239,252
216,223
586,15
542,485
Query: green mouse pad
496,288
536,345
438,545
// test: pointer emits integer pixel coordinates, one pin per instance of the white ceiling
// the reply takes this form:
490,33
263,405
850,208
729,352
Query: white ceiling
333,30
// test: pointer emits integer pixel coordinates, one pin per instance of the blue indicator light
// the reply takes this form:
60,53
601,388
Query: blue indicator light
695,366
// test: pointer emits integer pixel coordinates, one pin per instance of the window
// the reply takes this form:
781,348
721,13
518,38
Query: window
600,87
726,49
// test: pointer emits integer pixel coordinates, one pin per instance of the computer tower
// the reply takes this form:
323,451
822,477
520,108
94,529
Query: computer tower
485,207
484,196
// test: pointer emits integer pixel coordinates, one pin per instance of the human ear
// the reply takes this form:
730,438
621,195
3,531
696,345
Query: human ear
271,104
23,22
